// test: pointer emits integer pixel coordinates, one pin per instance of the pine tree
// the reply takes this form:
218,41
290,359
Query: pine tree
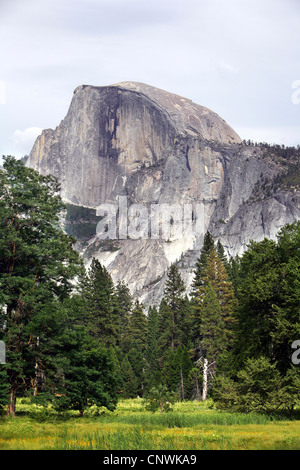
212,331
212,335
221,254
116,367
187,326
136,359
165,328
176,372
152,373
125,305
216,275
88,378
233,270
208,245
138,327
173,294
137,343
128,379
268,294
215,303
101,308
38,265
73,369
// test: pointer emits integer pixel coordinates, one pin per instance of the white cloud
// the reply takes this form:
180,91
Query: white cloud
24,140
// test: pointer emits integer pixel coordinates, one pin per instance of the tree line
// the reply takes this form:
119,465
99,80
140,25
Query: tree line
75,339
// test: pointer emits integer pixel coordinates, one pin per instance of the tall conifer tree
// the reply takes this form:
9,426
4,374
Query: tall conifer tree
38,266
208,245
125,304
216,275
152,349
137,342
100,307
173,295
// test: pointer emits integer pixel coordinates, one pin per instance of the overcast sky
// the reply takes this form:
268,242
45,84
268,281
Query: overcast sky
240,58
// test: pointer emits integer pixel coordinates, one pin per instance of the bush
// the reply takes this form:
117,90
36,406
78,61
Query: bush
160,398
4,389
259,387
96,411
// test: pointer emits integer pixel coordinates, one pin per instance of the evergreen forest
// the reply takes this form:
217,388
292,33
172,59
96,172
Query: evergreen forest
75,339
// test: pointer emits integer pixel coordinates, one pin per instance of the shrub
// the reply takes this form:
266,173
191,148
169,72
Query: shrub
4,389
259,387
160,398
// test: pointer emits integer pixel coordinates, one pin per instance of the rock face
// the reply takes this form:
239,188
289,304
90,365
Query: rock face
111,132
153,147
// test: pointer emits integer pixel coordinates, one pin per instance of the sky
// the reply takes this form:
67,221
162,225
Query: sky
239,58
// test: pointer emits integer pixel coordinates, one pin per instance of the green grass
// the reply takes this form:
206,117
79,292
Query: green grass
191,426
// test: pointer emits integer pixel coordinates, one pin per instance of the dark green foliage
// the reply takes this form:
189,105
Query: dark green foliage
176,372
160,398
208,245
37,264
133,348
259,387
88,379
187,324
173,296
129,382
48,350
267,282
152,368
214,303
233,267
114,355
165,327
101,313
137,361
138,327
212,328
75,339
72,369
4,388
221,254
269,298
124,305
137,343
215,274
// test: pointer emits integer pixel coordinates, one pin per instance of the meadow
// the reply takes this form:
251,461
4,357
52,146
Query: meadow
190,426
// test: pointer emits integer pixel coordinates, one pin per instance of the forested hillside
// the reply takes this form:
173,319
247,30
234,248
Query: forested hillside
74,338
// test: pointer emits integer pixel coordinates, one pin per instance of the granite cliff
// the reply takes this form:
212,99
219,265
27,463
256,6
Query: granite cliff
159,149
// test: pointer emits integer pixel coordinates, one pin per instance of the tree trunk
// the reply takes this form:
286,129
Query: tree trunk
182,384
204,391
173,330
11,409
198,395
